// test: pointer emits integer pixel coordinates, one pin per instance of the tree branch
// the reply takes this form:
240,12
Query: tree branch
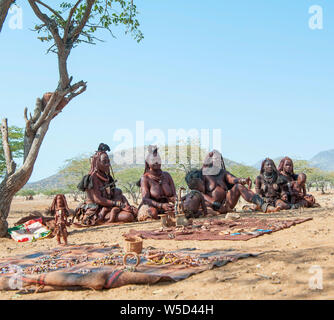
28,123
52,10
77,89
4,7
68,23
79,28
52,103
68,95
10,164
51,24
63,53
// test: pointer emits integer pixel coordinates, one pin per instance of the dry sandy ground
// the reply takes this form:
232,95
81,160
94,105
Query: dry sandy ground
281,273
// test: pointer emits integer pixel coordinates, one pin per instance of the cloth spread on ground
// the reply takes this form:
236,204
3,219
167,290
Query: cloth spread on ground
241,229
98,267
29,231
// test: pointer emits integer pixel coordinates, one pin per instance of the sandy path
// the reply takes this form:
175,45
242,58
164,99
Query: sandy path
281,273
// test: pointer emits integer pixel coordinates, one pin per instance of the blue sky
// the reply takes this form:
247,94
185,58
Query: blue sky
253,69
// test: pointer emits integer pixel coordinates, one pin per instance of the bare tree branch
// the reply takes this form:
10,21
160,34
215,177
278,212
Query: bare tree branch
10,164
52,103
77,89
28,122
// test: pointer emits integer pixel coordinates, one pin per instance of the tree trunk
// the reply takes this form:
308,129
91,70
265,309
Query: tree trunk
13,183
4,7
5,203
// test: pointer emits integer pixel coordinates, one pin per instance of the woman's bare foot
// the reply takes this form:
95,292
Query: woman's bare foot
250,208
272,209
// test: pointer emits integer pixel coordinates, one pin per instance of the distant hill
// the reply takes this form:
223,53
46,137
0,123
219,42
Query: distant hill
324,160
53,182
122,171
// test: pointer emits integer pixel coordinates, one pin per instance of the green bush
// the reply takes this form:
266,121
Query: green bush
26,193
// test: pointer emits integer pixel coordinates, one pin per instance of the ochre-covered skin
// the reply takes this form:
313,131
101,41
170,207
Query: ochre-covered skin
298,193
110,203
60,210
222,190
271,187
193,205
297,190
157,189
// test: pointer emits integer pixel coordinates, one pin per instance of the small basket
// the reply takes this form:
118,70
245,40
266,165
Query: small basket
133,244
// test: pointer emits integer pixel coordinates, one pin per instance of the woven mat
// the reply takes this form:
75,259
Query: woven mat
214,229
98,267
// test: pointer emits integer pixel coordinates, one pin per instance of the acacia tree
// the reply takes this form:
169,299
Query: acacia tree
68,25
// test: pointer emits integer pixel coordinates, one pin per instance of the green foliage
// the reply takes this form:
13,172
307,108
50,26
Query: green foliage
133,190
315,176
129,175
16,142
105,14
53,192
303,166
187,154
178,177
241,171
26,192
73,171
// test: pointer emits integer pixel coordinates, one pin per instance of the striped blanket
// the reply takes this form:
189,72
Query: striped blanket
29,231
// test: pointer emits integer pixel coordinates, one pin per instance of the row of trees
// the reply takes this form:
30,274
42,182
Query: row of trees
316,178
74,169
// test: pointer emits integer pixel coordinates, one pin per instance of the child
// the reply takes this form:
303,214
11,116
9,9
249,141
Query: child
60,211
298,192
193,204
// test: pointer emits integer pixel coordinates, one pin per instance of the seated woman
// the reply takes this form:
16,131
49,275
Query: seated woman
157,189
285,168
222,190
193,204
271,186
104,203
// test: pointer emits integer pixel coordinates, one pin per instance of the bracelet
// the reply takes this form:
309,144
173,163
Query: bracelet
135,255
